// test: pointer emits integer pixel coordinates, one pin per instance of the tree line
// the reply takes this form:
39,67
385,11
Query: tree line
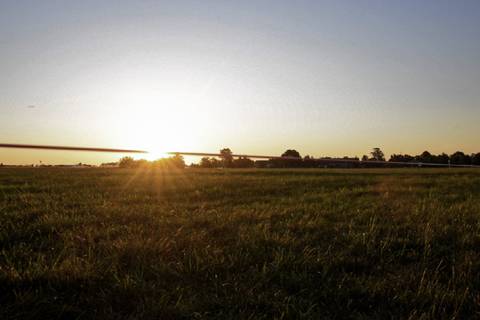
457,158
291,158
174,162
226,160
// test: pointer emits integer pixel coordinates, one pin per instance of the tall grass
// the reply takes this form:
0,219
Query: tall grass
250,244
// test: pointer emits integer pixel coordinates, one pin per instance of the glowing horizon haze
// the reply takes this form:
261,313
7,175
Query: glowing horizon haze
327,78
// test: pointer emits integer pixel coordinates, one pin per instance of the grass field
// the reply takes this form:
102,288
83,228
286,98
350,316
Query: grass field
249,244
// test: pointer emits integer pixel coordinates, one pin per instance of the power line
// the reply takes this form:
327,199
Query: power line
68,148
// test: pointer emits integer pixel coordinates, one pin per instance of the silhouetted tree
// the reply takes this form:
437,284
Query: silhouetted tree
425,157
227,158
476,159
396,158
205,162
216,163
377,154
126,162
291,153
364,157
401,158
468,159
460,158
443,158
243,162
177,161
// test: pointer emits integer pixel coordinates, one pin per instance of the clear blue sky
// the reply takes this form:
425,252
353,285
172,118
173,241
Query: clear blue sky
324,77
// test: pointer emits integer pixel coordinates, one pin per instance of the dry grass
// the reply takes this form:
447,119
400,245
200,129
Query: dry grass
250,244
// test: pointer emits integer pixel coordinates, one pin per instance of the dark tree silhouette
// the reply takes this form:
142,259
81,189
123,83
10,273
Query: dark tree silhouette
460,158
377,154
443,158
205,162
227,158
216,163
476,159
425,157
243,162
401,158
291,153
126,162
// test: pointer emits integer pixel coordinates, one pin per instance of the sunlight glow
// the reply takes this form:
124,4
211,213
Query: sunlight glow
161,121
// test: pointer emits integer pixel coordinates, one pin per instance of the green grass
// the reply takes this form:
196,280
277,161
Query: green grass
248,244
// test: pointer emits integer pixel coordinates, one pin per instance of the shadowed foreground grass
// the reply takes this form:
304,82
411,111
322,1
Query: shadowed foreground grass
250,244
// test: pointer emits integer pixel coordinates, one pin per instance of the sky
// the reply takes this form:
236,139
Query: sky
327,78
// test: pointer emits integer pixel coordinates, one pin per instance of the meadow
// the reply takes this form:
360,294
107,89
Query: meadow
243,244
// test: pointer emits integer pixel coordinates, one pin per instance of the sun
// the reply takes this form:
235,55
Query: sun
161,123
158,143
154,155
